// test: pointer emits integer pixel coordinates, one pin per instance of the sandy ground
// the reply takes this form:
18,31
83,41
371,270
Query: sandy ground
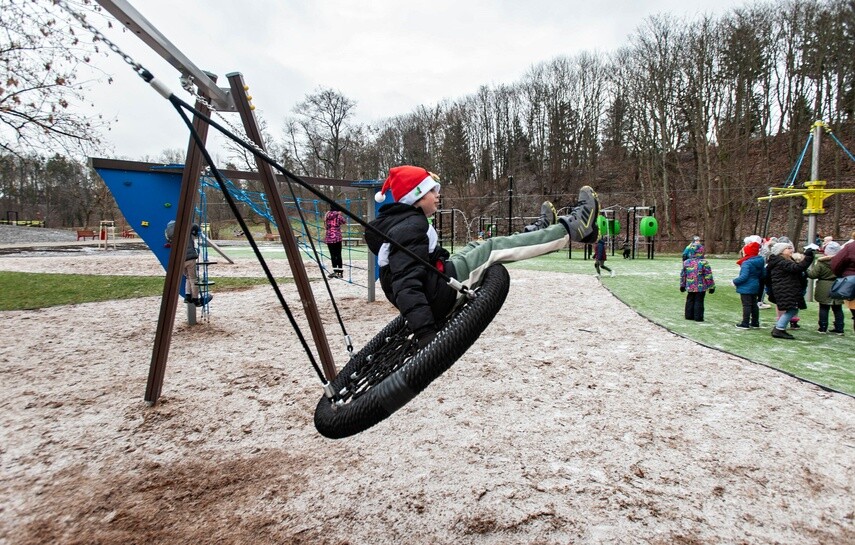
572,420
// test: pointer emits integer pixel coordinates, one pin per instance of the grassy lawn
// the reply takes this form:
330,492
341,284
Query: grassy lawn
22,291
650,287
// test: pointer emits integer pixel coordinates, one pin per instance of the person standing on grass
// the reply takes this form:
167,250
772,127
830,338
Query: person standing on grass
748,284
843,264
825,277
784,280
333,220
600,257
696,279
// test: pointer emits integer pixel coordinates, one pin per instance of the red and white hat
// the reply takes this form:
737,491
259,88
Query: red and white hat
408,184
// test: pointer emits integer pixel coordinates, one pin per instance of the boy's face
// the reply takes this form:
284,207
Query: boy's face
429,203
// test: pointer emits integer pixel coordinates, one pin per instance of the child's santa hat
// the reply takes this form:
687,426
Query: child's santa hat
748,251
408,184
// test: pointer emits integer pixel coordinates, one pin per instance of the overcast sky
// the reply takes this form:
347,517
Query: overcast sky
387,55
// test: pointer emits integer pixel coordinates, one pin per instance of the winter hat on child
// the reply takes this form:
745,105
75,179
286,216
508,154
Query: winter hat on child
780,247
831,248
750,250
408,184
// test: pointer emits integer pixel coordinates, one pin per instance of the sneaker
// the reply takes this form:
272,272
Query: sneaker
548,216
763,306
188,299
822,330
836,332
204,300
742,326
581,222
795,325
781,334
613,274
755,326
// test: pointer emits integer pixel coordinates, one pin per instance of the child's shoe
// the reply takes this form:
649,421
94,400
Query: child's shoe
742,326
762,306
581,222
781,334
548,216
822,330
836,332
204,300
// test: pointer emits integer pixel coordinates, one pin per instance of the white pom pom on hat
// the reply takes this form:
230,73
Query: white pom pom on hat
408,184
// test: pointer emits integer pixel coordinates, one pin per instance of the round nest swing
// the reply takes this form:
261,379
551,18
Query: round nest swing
391,370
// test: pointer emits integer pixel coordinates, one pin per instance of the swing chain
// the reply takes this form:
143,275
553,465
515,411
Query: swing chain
99,36
187,85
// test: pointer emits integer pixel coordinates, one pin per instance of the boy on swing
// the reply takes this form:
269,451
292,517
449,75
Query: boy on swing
423,297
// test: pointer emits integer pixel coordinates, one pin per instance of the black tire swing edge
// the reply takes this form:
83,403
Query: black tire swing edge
394,391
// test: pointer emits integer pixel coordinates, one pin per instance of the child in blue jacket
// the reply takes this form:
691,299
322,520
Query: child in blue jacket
752,268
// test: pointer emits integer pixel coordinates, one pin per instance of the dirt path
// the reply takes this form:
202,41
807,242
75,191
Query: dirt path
572,420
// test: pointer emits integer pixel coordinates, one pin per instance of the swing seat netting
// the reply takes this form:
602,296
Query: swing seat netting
391,370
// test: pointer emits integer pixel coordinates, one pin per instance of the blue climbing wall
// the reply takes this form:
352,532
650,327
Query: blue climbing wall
148,200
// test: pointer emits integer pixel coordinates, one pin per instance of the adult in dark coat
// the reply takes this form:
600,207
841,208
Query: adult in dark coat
786,280
843,264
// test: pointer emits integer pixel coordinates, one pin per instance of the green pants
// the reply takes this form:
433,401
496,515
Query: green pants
471,262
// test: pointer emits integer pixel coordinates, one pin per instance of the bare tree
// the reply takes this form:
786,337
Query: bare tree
320,133
44,57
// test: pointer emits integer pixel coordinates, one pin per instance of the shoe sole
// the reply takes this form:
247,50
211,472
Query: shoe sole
581,226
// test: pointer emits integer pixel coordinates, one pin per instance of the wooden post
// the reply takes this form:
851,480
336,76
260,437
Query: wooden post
286,234
175,266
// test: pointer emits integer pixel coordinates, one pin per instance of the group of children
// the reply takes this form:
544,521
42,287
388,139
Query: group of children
773,269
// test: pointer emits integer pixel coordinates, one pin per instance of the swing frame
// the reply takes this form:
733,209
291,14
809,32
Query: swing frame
413,369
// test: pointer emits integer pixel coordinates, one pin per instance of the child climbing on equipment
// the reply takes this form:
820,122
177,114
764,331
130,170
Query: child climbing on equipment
191,289
600,257
333,220
422,296
696,279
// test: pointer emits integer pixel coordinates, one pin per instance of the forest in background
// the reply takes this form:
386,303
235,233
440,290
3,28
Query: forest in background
696,118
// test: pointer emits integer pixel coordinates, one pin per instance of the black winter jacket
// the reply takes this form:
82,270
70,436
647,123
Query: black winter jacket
787,281
421,295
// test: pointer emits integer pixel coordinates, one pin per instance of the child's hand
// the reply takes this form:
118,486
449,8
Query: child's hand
682,289
712,290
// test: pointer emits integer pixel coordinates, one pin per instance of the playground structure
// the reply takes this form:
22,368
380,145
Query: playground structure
208,97
814,191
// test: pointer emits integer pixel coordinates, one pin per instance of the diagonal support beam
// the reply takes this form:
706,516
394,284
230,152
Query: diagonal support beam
286,234
175,265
